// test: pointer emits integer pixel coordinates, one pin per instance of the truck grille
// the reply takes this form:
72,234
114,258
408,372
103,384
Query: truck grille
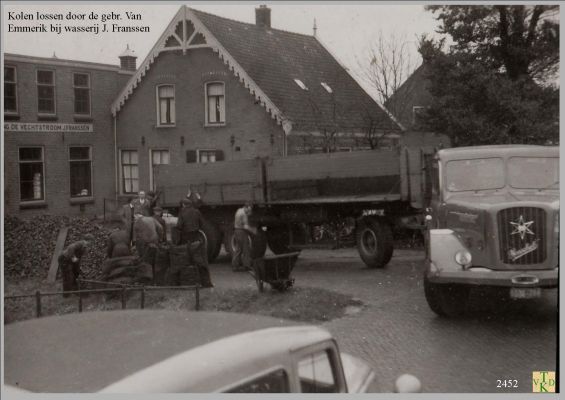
522,233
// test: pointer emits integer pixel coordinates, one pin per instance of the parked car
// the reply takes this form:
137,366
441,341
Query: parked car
493,221
156,351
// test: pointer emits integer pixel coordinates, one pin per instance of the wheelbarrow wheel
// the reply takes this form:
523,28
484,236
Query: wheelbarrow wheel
260,284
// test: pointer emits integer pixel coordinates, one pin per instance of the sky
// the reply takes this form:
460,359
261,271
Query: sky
346,29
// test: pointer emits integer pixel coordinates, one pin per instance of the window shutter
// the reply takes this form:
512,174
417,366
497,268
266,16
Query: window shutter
191,156
219,155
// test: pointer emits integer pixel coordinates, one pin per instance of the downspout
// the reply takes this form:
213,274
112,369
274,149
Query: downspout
116,177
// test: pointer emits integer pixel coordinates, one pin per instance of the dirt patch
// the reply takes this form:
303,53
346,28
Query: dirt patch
305,304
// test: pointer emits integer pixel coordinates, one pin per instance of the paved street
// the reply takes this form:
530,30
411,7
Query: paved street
397,333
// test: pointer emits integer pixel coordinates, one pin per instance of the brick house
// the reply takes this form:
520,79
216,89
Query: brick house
58,136
210,89
215,89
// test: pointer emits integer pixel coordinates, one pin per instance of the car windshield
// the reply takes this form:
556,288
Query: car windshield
476,174
533,172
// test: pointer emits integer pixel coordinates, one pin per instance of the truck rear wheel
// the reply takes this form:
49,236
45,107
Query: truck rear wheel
446,300
214,239
374,242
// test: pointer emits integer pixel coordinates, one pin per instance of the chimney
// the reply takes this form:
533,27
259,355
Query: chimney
127,59
263,16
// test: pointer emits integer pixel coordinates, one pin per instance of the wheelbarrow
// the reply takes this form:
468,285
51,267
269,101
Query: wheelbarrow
274,270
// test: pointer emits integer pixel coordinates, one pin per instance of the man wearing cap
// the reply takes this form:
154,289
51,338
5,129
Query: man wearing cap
241,260
189,223
69,262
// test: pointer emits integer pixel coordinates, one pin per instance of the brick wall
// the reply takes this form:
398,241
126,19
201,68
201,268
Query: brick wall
249,130
104,87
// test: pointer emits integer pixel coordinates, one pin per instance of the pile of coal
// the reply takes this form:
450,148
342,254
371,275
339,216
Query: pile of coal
29,244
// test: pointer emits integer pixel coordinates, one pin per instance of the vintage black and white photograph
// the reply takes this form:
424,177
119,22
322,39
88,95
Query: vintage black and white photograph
269,197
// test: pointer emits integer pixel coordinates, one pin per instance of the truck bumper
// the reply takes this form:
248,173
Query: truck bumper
546,278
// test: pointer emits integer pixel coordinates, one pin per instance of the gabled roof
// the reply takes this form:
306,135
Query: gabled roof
268,61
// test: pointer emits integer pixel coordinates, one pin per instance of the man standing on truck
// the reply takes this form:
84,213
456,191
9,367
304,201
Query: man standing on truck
189,223
241,260
69,262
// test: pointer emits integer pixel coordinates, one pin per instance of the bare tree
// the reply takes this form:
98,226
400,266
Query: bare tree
385,66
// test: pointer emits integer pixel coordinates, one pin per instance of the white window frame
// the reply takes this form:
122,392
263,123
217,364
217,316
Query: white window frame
151,180
88,88
122,181
173,122
206,108
54,85
199,151
42,161
15,83
91,192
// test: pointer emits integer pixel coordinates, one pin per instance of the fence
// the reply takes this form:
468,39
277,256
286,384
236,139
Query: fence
122,289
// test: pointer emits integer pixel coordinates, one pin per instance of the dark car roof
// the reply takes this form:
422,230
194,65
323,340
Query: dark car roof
86,352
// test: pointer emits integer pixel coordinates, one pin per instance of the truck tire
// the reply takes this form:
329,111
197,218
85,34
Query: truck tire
213,238
374,242
228,241
446,300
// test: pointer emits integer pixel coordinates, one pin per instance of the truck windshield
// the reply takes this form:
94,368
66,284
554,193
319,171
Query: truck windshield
477,174
533,172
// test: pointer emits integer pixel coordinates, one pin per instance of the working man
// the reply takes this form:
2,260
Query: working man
118,244
142,205
241,260
69,262
189,223
194,197
147,231
158,216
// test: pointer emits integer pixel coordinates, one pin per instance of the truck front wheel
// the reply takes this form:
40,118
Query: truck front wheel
214,239
374,242
446,300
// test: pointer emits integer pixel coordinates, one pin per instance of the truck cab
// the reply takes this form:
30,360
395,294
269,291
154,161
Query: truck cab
492,220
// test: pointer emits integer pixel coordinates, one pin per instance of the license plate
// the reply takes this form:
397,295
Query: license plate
525,293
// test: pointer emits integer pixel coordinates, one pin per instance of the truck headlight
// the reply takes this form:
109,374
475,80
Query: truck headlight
463,257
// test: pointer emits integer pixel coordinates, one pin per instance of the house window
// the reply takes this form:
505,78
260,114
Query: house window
417,112
45,92
10,90
158,157
80,164
31,174
205,156
165,105
81,85
215,103
130,171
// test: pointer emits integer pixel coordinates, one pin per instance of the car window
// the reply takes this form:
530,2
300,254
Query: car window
534,172
274,382
316,374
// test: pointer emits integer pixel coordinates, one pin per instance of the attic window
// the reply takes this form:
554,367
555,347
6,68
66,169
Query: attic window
301,84
327,87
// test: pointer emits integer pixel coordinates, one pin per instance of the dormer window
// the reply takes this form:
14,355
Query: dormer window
301,84
327,87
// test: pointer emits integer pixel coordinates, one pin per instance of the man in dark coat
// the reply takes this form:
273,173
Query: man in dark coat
190,222
126,214
142,204
69,262
158,216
